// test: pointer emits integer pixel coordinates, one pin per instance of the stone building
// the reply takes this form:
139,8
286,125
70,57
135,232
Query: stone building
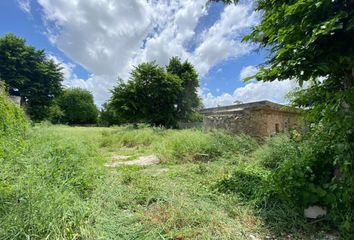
257,119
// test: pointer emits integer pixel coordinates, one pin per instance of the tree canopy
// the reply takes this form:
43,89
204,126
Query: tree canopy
156,95
188,100
76,106
29,73
150,96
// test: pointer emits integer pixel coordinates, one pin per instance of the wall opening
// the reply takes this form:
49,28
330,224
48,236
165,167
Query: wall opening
277,130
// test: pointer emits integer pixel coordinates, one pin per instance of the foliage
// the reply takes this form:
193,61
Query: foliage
76,107
277,150
149,96
295,175
107,116
29,73
13,126
55,113
311,41
188,100
157,96
246,182
306,40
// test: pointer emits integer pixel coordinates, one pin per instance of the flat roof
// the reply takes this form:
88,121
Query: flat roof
251,105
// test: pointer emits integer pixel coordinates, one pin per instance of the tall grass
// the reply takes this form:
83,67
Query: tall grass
209,185
13,126
179,146
46,188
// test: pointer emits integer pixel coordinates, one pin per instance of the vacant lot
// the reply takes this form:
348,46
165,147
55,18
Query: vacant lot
79,183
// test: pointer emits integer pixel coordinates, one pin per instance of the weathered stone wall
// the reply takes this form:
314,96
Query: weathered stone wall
257,122
285,121
236,123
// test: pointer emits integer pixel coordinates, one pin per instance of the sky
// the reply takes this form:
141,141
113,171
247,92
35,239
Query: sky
97,41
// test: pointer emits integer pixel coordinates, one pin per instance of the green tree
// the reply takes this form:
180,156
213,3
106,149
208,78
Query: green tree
188,100
150,96
306,40
313,41
30,74
77,107
108,116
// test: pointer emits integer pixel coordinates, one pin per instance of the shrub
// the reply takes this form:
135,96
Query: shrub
246,182
277,150
13,126
312,178
287,174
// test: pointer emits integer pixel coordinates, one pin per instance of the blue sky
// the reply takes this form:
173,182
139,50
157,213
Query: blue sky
97,41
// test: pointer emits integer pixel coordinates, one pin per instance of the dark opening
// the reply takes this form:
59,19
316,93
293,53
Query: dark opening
277,128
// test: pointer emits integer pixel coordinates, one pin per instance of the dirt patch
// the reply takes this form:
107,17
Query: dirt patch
119,157
115,160
156,172
141,161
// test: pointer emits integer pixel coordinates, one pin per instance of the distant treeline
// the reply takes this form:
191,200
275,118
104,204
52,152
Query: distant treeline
159,96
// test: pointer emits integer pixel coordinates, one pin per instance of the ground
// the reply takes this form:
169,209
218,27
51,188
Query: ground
169,193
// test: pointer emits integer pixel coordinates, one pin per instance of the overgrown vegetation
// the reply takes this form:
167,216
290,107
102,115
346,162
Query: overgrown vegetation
208,185
308,42
46,179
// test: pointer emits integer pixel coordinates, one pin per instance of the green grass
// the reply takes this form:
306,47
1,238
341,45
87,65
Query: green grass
58,188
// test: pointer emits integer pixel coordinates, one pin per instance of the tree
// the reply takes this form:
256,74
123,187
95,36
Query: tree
108,116
30,74
150,96
77,107
306,40
313,41
188,100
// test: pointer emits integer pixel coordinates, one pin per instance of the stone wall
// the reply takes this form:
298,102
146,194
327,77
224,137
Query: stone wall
258,122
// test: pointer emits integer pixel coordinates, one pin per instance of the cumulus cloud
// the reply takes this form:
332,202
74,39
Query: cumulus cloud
96,84
248,71
275,91
109,37
223,39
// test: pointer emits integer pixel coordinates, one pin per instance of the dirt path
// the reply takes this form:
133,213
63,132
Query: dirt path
141,161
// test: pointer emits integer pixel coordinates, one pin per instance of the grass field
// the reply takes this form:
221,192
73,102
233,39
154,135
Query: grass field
57,187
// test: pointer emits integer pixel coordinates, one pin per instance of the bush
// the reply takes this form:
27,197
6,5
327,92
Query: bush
312,178
246,182
287,174
13,126
277,150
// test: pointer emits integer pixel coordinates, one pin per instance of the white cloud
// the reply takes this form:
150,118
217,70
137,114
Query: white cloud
223,39
275,91
67,68
96,84
25,5
108,37
248,72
